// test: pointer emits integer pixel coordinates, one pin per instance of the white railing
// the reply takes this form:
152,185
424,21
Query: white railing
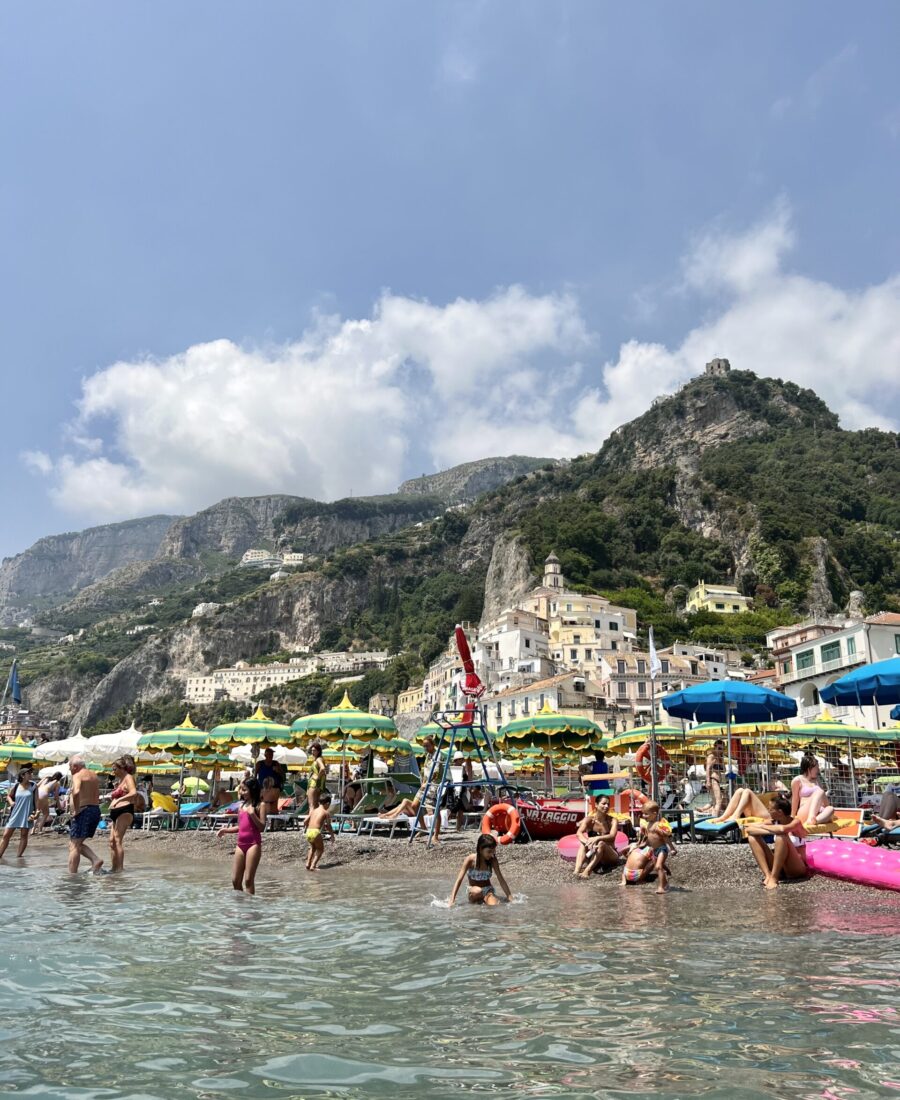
822,668
814,710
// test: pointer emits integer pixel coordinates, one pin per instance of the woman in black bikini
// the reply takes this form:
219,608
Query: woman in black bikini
121,809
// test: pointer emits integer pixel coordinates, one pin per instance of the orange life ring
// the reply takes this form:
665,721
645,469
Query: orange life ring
636,799
663,767
503,820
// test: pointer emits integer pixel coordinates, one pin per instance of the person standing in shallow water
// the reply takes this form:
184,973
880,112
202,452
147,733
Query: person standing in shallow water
84,805
249,829
121,809
21,802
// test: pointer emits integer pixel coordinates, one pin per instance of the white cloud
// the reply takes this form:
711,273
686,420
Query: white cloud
354,403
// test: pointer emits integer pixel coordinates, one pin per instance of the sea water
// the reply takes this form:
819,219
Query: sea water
163,982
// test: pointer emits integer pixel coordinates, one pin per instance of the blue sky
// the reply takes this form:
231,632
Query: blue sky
318,248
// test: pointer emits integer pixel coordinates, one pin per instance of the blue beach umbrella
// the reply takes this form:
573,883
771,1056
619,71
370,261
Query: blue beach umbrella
877,683
729,701
895,713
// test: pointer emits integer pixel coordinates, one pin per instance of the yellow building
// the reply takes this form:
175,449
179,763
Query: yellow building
411,700
722,599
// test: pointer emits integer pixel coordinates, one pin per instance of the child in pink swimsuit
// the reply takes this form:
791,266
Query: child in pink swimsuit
249,829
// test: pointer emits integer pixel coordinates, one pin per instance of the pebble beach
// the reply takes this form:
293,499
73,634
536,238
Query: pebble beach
702,868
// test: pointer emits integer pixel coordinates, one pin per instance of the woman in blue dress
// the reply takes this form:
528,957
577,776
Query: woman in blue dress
21,803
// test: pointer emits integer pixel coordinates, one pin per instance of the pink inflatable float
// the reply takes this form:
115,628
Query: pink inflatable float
855,862
568,846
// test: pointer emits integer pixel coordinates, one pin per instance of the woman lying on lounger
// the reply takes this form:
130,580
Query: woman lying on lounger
786,858
746,803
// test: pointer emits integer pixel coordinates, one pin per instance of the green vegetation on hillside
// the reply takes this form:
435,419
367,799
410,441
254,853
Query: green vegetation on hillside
360,508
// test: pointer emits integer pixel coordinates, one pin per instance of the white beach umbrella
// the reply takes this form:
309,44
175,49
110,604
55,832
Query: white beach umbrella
864,762
104,748
61,750
243,754
798,755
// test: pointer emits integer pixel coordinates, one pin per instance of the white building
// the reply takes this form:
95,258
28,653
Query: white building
812,655
568,692
293,558
244,681
440,689
204,609
707,663
264,559
513,650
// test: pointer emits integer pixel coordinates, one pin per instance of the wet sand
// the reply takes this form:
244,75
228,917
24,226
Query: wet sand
697,867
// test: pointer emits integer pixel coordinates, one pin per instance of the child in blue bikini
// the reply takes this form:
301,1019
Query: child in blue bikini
479,868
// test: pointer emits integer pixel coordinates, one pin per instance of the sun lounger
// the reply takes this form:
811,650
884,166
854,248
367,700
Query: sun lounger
846,823
372,824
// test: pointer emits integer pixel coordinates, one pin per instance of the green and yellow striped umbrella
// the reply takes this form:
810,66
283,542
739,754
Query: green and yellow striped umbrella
258,729
548,728
16,752
633,739
183,739
343,720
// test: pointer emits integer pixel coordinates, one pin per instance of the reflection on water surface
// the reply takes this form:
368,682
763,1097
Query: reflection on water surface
163,983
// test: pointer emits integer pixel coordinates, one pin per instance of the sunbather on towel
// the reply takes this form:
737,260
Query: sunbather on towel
787,856
318,821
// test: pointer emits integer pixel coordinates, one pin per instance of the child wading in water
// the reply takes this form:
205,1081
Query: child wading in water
318,821
251,822
479,868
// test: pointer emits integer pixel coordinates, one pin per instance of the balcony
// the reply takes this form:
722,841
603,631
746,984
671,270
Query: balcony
822,668
814,710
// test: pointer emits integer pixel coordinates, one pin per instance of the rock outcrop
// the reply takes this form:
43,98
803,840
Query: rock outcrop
58,566
509,576
230,527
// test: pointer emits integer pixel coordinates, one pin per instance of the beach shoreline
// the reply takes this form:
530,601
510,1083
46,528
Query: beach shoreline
697,867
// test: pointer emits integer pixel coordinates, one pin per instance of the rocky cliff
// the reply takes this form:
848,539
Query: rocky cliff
58,566
464,483
230,527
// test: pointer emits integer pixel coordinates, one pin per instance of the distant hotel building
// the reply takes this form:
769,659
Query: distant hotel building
244,681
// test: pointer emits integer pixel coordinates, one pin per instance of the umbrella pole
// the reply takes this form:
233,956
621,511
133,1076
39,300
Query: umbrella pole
852,769
180,788
730,766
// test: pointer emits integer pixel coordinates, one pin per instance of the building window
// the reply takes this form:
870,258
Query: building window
642,668
621,689
587,654
735,607
851,647
805,660
613,626
642,689
596,624
524,706
620,667
665,667
897,643
542,700
568,607
528,643
786,667
576,638
831,652
499,710
512,708
614,645
573,654
578,685
720,607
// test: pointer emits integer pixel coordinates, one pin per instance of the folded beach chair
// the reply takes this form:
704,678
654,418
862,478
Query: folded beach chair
192,813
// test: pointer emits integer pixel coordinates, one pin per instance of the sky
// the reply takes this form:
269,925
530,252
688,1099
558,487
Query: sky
319,248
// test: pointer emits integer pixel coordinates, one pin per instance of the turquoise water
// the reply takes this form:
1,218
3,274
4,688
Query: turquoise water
163,983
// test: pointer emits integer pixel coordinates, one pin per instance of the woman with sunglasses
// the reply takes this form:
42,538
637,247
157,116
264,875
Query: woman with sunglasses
479,868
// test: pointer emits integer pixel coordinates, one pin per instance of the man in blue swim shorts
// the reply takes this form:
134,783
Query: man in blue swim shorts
84,805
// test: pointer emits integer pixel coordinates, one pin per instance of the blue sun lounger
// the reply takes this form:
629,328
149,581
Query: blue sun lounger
708,830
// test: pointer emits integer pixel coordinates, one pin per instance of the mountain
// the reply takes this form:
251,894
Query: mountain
56,570
732,478
58,566
466,482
